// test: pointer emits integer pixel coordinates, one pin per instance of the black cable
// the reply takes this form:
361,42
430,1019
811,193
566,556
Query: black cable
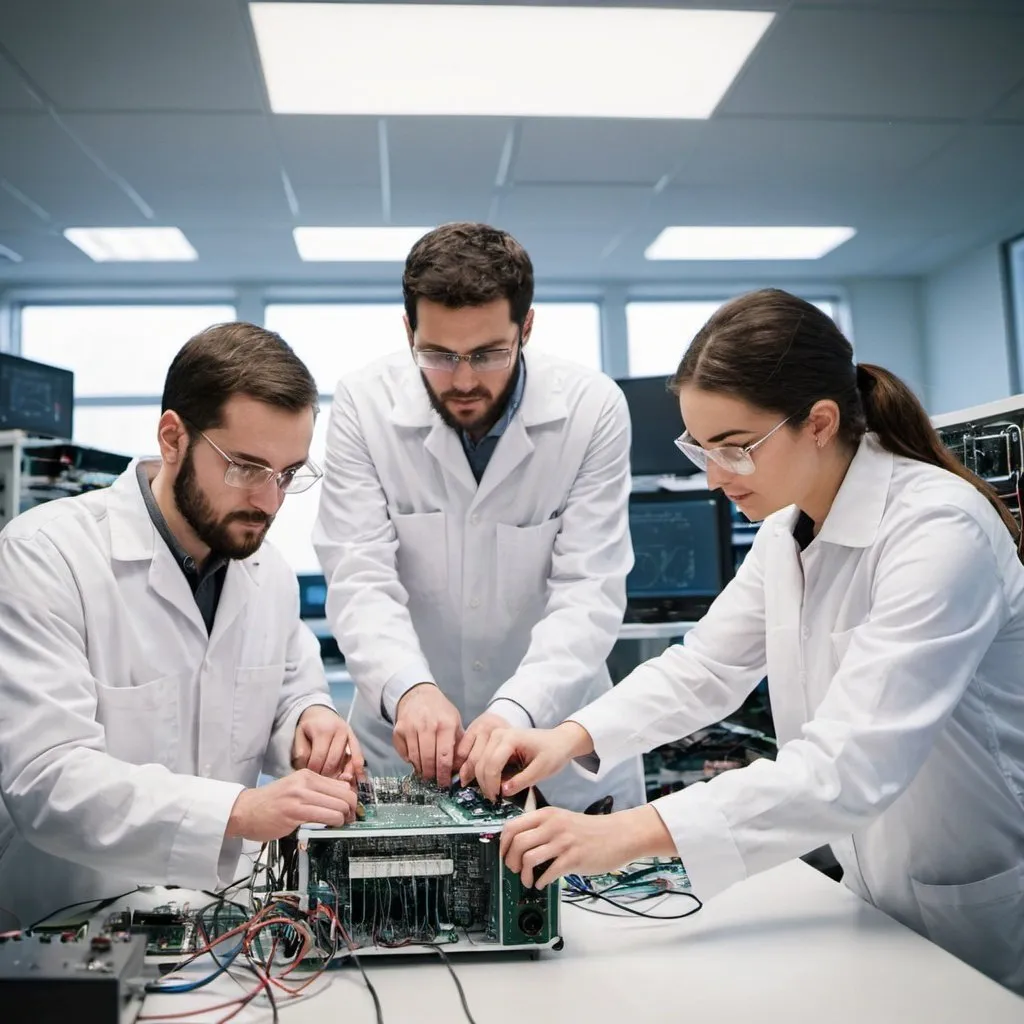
100,904
458,984
369,985
582,897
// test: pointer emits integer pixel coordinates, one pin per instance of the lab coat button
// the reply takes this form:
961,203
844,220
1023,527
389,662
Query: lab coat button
206,771
474,519
474,602
478,665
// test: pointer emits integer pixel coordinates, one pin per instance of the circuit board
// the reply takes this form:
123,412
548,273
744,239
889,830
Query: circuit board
172,930
421,865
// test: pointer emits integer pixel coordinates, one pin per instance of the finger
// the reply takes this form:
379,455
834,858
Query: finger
300,749
325,810
468,770
496,756
412,739
533,773
335,754
522,844
537,856
465,744
321,744
428,752
512,829
399,742
356,759
445,755
560,866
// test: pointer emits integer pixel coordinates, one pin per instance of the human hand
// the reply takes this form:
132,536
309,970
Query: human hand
474,741
271,811
325,744
556,842
541,752
427,727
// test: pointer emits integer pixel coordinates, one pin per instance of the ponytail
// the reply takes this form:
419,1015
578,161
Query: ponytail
892,411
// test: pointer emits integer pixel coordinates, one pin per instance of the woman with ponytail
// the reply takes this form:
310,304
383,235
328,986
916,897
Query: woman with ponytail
884,599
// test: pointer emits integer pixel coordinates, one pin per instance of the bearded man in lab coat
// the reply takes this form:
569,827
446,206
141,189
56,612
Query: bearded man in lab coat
152,660
473,525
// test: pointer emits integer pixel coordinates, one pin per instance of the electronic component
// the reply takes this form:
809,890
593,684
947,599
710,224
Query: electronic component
92,980
170,930
422,866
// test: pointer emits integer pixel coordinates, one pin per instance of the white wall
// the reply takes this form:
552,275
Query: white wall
966,333
887,328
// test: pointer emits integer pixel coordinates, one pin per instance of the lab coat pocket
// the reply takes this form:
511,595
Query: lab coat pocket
422,551
981,923
524,563
257,692
140,723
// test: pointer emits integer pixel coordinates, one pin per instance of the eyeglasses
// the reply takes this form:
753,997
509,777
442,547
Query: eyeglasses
487,361
250,476
732,458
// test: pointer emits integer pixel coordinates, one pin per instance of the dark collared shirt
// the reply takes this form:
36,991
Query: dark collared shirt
206,583
479,452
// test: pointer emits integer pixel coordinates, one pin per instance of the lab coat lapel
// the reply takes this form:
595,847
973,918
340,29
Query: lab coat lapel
239,589
513,447
168,582
444,445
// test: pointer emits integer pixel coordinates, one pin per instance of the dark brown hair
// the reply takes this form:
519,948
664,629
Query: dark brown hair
775,351
235,359
463,264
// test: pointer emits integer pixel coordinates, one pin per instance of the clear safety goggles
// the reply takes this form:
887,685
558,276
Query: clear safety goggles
731,457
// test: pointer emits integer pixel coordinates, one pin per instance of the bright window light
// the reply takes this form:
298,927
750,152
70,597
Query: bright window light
132,244
754,243
356,245
525,61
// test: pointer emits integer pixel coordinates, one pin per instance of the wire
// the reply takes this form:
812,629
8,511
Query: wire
458,984
369,985
100,904
581,899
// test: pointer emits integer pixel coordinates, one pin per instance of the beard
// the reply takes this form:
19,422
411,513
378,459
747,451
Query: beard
214,532
491,414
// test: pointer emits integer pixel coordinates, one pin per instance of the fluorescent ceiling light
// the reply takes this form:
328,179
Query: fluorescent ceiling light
132,244
381,59
755,243
357,245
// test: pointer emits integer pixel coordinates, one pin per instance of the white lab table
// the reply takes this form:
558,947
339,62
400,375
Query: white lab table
789,946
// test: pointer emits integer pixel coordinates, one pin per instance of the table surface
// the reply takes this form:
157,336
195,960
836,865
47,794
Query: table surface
786,946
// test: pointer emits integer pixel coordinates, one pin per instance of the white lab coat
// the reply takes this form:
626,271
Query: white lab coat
126,732
514,588
894,649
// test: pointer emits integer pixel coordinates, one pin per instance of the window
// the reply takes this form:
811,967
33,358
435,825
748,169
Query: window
292,531
569,330
117,353
659,332
114,350
335,339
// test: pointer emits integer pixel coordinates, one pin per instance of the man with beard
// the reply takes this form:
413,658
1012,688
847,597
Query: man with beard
152,660
473,524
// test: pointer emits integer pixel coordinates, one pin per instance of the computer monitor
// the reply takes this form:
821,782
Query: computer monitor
36,397
654,412
682,548
312,595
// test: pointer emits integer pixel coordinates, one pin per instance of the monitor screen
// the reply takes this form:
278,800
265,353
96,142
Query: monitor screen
35,397
654,412
682,545
312,596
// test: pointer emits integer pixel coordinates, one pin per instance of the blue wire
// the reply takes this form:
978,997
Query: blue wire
191,986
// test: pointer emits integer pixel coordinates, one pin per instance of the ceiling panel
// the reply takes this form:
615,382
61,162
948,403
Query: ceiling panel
339,206
425,207
810,152
603,207
13,94
1012,108
602,151
43,246
127,55
433,152
14,214
331,151
191,149
879,63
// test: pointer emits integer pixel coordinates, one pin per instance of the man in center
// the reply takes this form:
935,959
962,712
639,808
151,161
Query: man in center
473,525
